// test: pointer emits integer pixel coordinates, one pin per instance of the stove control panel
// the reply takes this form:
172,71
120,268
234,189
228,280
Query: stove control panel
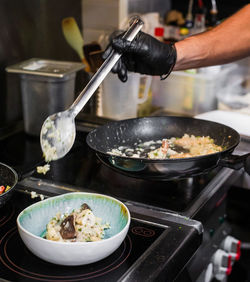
222,264
232,246
219,267
223,259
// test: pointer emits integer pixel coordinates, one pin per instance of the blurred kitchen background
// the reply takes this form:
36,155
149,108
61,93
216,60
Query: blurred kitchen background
33,29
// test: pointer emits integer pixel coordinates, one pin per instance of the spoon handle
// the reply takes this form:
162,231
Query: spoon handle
104,69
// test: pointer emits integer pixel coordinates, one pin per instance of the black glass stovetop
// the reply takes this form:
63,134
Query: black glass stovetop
17,263
147,252
81,168
149,247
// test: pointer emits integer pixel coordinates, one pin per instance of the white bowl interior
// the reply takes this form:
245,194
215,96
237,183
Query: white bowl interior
32,223
35,217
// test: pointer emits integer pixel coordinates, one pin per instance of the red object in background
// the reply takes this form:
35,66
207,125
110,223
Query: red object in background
159,31
232,246
2,188
200,4
238,252
229,265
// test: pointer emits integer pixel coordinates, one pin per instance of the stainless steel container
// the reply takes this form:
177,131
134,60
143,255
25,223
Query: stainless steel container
47,87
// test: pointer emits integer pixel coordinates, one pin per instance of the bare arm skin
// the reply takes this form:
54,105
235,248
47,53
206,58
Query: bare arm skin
225,43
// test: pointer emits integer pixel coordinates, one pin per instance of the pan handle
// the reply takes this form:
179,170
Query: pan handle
236,162
28,172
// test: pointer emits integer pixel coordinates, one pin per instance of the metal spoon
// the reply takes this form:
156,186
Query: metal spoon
58,131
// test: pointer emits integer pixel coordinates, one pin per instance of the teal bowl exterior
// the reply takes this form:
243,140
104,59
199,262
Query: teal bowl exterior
32,223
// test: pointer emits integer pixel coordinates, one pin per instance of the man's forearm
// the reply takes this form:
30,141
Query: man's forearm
225,43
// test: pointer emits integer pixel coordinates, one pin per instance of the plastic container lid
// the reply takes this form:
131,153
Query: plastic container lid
48,68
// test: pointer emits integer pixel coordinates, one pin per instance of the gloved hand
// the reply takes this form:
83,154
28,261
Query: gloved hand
145,55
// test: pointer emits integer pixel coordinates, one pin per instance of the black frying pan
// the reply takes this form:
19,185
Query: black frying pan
8,176
138,130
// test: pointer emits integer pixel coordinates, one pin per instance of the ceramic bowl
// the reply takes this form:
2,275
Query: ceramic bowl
32,223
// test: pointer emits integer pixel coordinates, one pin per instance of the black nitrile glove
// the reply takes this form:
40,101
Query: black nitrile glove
145,55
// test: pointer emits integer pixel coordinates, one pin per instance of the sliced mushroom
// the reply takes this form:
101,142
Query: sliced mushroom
67,230
85,207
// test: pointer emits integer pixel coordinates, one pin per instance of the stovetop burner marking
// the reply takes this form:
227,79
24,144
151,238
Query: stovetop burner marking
143,231
7,217
14,231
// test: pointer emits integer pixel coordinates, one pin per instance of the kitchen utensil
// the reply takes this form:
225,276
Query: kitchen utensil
95,59
74,37
58,131
89,48
33,220
134,131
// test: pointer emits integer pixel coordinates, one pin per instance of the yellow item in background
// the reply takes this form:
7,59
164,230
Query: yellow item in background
184,31
74,38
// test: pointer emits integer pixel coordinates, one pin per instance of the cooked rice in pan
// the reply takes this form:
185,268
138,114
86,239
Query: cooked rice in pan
185,147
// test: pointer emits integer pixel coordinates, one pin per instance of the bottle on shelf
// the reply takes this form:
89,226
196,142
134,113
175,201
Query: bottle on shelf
213,15
200,18
189,17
